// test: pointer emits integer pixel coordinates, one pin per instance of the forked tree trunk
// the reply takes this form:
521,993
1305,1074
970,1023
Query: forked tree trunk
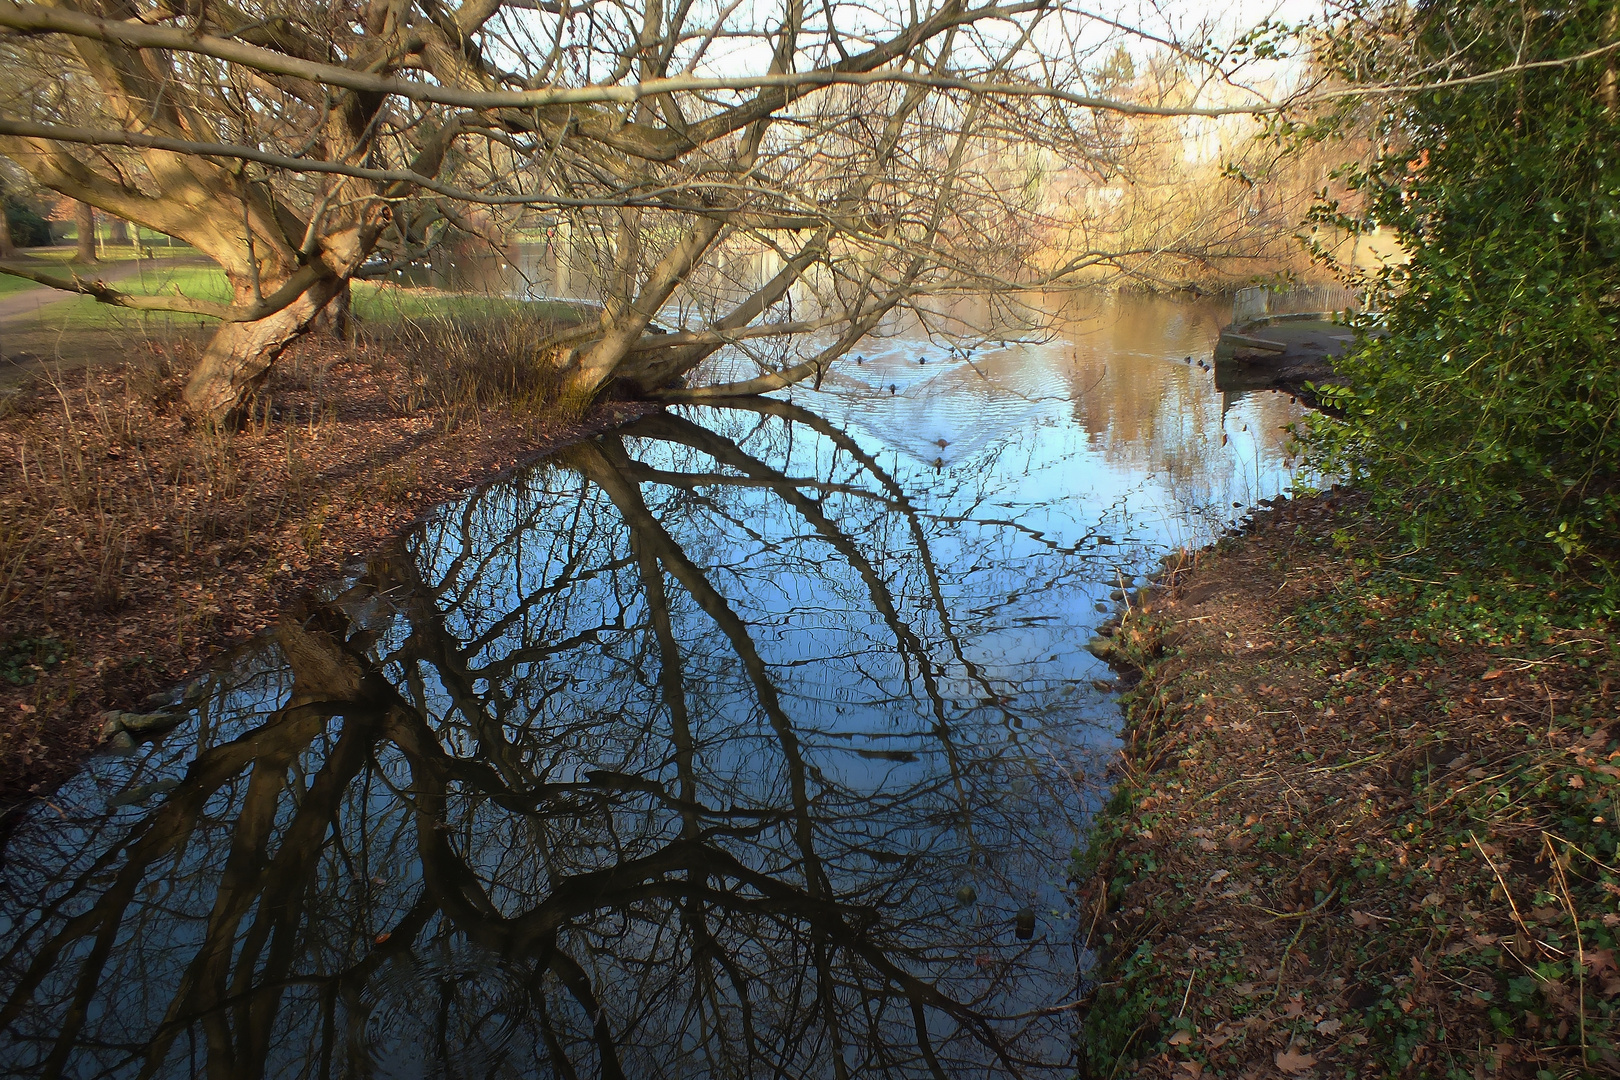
589,373
84,219
239,357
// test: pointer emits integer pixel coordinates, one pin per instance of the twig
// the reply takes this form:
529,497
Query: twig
1518,920
1580,948
1282,965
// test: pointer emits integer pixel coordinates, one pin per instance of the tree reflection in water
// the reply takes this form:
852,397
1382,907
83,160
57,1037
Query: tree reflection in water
697,751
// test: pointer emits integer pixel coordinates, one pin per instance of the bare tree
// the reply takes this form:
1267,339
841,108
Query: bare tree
689,847
239,133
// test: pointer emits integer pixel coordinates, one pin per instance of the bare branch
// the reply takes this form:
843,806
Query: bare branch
106,294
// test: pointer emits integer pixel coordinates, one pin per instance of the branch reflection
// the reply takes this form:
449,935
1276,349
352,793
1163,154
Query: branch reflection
697,751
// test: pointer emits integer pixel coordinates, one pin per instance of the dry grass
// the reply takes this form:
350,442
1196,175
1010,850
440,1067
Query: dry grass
460,369
134,546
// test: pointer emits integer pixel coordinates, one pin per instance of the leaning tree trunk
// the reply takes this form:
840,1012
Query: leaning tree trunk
239,357
84,218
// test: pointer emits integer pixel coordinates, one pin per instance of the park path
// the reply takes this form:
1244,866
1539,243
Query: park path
30,301
18,364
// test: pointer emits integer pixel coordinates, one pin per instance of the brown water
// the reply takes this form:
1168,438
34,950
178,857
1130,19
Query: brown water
749,741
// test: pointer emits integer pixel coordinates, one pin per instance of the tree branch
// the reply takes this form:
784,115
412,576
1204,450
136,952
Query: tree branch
103,293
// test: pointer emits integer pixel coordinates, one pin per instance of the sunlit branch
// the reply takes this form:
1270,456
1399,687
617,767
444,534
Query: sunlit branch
103,293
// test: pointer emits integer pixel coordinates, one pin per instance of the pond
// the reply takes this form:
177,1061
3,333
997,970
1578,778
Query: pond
751,740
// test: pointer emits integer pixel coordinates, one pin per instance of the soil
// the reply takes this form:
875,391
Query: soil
1352,838
134,546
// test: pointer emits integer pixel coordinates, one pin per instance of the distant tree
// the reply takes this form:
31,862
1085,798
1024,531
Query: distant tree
8,247
25,225
84,220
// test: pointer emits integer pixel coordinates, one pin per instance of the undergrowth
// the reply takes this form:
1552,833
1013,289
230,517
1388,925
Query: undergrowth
1366,827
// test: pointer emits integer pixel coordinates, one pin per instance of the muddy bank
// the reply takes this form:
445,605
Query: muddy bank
1352,839
134,547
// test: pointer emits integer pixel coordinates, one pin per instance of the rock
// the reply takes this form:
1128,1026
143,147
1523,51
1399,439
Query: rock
111,724
1101,648
121,744
1024,924
1117,595
145,723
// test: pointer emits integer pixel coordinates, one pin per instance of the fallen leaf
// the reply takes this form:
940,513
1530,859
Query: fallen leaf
1193,1068
1219,876
1494,673
1293,1009
1290,1062
1330,1027
1576,782
1362,919
1180,1038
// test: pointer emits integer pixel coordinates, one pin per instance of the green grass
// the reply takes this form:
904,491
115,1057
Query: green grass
371,302
115,253
10,285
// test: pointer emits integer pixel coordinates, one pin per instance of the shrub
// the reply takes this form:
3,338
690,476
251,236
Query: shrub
1490,413
28,228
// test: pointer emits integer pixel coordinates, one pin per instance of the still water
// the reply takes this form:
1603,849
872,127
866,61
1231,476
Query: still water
748,741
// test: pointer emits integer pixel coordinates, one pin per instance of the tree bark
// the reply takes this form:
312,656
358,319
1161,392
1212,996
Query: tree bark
118,230
238,359
84,217
8,247
334,317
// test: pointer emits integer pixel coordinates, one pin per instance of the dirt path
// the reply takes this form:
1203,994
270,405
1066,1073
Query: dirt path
30,302
1352,839
27,341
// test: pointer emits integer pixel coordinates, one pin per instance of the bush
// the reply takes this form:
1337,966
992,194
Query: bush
1490,413
28,228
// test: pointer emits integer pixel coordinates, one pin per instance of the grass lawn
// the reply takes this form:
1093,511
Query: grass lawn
10,285
115,253
376,303
78,330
